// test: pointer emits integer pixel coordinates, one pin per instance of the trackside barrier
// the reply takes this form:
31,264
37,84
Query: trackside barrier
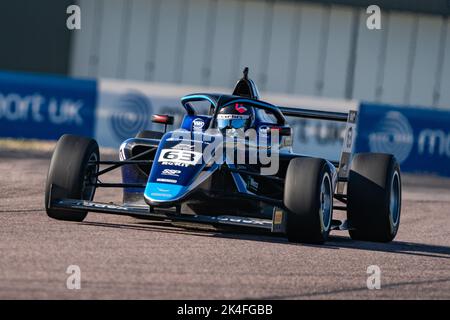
46,107
418,137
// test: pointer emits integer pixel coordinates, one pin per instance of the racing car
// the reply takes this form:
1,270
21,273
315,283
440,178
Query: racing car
174,175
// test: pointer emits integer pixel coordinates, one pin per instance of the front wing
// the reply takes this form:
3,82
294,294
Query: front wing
274,225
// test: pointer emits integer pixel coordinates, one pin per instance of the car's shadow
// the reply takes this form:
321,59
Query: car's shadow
335,242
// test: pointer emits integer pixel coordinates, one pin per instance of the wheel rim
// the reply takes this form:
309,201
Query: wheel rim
89,178
394,203
326,199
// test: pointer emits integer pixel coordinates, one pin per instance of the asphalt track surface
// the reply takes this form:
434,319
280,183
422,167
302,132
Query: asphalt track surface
125,258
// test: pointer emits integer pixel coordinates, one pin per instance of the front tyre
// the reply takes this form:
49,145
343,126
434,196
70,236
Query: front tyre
72,173
374,197
308,196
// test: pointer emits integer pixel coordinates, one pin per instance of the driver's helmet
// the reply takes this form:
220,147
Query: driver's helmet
235,116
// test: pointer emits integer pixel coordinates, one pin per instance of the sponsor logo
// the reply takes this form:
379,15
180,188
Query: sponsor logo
183,146
240,108
156,194
232,116
98,205
171,172
393,135
198,123
174,164
166,180
225,219
14,107
431,141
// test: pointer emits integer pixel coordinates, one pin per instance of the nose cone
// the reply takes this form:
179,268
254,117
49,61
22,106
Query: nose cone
163,192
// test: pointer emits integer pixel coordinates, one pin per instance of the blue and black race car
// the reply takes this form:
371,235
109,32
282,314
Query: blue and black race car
233,165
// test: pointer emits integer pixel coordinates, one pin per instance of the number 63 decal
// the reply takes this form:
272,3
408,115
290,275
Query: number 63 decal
179,156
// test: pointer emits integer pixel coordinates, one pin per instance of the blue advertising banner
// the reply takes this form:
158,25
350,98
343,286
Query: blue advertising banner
418,137
46,107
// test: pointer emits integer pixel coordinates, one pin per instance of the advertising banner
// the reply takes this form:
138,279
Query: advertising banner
418,137
46,107
125,108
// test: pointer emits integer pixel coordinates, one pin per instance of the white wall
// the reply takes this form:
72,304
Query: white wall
290,47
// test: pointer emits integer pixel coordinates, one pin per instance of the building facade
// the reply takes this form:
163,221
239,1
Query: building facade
293,47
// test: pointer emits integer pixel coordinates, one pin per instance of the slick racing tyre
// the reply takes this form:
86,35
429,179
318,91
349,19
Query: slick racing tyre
149,134
308,196
71,174
374,197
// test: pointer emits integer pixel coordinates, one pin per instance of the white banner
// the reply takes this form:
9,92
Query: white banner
125,108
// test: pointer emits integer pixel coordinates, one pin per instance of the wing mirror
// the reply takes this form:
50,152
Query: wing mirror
163,119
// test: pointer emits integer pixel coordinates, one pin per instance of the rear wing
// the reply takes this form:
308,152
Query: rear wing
349,137
315,114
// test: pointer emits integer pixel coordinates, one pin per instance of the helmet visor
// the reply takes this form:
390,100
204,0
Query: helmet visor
231,123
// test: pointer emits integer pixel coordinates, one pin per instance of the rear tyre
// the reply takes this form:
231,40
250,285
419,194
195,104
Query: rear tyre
374,197
308,196
71,174
149,134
